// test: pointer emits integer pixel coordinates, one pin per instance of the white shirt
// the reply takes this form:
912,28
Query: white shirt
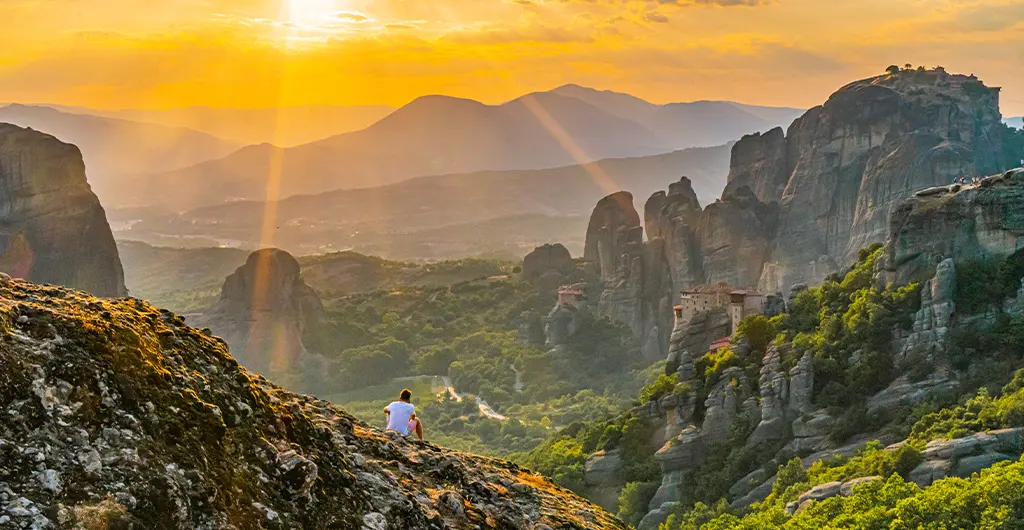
398,420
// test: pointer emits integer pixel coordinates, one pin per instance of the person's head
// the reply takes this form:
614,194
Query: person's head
406,394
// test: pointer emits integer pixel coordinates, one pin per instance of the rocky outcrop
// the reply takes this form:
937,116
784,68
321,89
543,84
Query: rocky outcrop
827,491
690,339
118,415
561,324
932,322
961,457
845,166
546,259
52,227
636,289
958,222
603,478
265,311
759,163
728,241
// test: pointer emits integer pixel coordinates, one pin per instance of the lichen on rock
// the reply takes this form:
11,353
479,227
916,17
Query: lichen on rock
117,414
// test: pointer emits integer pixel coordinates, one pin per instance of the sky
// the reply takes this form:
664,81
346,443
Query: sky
114,54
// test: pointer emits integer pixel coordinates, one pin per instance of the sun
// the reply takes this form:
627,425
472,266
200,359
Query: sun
305,13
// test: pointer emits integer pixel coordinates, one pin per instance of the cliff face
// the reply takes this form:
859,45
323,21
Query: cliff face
844,166
52,227
264,311
118,415
728,241
636,288
958,222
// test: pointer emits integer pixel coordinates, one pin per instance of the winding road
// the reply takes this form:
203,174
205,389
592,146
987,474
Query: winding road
485,409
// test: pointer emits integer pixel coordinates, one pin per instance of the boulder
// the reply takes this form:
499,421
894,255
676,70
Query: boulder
561,325
757,494
969,465
655,517
52,227
929,471
821,492
818,424
903,392
847,488
602,468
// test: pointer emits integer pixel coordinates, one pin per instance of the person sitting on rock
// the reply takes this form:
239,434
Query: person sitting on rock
402,415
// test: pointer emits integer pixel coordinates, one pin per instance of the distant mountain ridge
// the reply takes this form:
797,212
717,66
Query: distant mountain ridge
285,126
692,124
436,135
113,148
1015,122
367,219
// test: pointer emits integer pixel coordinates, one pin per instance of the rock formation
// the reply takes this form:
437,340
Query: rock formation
728,241
635,290
546,259
844,166
958,222
118,415
264,312
53,227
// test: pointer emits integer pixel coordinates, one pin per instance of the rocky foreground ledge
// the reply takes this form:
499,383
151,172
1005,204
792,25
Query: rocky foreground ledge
118,415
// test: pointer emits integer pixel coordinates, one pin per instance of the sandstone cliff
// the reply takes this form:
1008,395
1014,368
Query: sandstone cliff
118,415
53,227
265,311
844,166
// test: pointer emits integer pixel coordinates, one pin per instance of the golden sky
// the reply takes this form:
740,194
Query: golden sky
260,53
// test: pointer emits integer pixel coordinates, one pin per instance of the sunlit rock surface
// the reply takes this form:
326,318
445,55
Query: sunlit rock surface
117,412
52,227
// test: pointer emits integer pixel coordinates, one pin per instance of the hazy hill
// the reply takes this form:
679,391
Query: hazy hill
432,135
435,208
114,148
286,126
189,280
699,123
1015,122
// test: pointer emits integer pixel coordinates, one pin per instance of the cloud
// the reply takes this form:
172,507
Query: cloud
655,16
351,16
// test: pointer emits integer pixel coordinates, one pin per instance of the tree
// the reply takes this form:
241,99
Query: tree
634,499
758,330
893,69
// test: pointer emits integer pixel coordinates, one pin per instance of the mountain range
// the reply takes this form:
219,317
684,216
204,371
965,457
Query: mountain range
432,135
429,217
114,148
285,126
1015,122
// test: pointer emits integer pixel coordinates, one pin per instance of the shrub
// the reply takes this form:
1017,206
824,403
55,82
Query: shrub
757,329
663,386
634,499
790,474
